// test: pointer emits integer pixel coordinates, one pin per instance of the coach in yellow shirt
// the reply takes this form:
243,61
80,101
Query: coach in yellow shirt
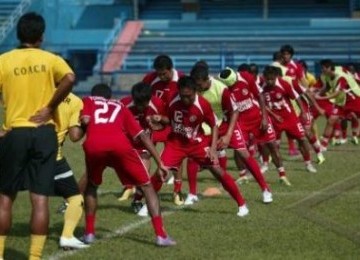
33,82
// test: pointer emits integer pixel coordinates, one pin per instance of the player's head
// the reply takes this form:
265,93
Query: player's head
351,67
141,95
187,90
277,56
163,66
327,67
202,63
101,90
30,28
243,67
270,75
254,69
228,77
287,52
200,75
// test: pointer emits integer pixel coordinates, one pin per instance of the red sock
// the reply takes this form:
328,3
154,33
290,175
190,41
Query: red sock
192,170
281,171
223,162
90,224
230,186
325,141
177,185
315,144
355,126
306,156
156,182
158,226
254,168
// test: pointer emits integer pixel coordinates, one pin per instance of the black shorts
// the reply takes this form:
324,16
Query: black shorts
65,183
27,160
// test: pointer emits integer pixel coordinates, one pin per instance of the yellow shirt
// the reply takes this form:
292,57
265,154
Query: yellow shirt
310,79
67,116
28,77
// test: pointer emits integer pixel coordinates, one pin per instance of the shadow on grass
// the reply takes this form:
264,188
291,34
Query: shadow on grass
14,254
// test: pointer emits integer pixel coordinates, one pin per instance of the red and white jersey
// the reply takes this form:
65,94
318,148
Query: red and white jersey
278,97
156,107
343,85
294,70
246,94
186,121
109,119
161,89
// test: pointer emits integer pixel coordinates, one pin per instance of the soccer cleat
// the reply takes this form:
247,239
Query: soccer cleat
267,196
243,211
355,140
310,168
136,205
171,180
284,180
88,238
320,158
72,243
243,180
323,148
126,194
191,199
178,198
264,168
343,140
62,208
143,212
165,241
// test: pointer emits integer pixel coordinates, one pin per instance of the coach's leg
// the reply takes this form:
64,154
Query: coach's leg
6,202
39,224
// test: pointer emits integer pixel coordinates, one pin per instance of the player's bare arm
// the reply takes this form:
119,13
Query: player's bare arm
224,140
264,120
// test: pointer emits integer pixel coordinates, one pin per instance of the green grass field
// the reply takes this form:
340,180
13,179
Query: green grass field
317,218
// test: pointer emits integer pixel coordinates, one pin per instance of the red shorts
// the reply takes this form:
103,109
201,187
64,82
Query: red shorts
252,132
174,153
126,163
330,109
237,141
162,135
291,125
352,105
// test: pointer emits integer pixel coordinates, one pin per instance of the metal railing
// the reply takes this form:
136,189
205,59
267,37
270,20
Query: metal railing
10,22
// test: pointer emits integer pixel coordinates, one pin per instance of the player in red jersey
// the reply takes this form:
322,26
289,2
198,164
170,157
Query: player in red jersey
187,112
106,117
253,118
163,82
278,94
230,135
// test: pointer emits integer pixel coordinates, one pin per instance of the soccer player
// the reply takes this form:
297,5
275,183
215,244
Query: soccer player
187,112
230,135
341,88
103,115
33,82
163,82
277,94
68,123
149,111
253,118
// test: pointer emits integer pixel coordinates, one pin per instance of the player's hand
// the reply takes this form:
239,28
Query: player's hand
223,142
154,122
303,116
42,116
3,133
264,124
163,172
213,156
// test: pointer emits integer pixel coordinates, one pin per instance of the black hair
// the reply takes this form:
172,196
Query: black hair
255,66
141,92
287,48
277,56
30,28
200,72
202,63
272,70
243,67
186,82
163,62
101,90
303,64
327,63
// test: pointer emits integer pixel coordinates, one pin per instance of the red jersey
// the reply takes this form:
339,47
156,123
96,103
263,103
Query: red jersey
186,121
110,122
246,95
161,89
278,97
294,70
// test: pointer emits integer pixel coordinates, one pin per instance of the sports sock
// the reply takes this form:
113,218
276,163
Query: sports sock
72,215
2,246
192,171
157,223
90,224
254,168
37,243
230,186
